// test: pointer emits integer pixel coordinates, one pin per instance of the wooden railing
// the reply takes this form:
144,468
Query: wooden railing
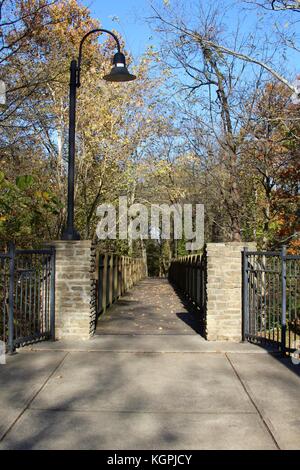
115,275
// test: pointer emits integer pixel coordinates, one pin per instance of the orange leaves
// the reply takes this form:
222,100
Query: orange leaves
294,248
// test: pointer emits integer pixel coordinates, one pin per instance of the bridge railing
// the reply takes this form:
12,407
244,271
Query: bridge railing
271,299
115,275
188,274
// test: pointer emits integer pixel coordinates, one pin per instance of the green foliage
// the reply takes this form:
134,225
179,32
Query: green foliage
181,250
24,182
140,142
25,210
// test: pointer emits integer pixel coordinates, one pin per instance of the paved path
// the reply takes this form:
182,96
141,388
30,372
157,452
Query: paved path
152,307
151,391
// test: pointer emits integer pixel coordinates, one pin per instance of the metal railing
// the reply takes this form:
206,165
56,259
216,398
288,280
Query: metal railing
27,296
115,275
188,274
271,298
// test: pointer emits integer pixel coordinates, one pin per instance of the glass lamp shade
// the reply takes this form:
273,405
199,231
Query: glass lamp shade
119,72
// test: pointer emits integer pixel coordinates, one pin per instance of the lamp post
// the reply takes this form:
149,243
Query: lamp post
118,73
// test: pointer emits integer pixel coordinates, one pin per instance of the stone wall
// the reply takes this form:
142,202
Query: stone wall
224,290
74,287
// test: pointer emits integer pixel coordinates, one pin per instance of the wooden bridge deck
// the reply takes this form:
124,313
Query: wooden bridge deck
152,307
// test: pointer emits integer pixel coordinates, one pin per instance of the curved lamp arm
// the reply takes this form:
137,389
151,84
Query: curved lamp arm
81,47
119,73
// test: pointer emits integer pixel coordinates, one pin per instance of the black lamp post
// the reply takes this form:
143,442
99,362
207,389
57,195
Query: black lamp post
118,73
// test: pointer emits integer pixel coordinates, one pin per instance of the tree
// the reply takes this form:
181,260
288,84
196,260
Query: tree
26,212
206,41
217,101
278,5
213,133
273,149
111,126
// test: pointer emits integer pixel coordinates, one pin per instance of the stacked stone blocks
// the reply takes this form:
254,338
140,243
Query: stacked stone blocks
224,290
74,285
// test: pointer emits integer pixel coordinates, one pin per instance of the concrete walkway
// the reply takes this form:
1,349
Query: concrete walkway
149,391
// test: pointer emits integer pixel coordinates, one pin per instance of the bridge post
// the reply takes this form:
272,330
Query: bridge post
224,290
73,288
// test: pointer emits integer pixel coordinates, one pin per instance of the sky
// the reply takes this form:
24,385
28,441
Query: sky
137,34
131,24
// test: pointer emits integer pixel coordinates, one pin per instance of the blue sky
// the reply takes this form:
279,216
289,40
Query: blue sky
133,29
138,35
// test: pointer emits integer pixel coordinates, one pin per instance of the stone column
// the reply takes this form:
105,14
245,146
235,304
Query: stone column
73,289
224,290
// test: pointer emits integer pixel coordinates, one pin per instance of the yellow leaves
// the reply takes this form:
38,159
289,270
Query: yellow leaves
43,195
162,168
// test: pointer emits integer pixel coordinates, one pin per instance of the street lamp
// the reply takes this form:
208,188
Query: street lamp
118,73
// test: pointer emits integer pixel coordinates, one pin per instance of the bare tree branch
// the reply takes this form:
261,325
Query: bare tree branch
204,42
278,5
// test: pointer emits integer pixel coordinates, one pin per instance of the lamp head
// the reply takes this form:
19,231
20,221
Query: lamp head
119,71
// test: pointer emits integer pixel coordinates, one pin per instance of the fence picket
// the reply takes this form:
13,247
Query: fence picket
271,299
27,295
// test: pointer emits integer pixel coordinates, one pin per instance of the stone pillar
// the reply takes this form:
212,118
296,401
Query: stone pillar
73,289
224,290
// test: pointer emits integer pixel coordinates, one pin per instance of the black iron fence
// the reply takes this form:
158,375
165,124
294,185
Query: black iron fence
27,296
188,274
271,298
